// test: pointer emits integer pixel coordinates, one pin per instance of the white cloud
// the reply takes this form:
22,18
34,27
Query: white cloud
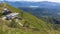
33,6
54,0
12,0
35,0
1,0
43,0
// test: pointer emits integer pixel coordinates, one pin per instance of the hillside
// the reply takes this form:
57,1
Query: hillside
37,26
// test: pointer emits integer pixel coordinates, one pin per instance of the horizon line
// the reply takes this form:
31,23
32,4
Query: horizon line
29,1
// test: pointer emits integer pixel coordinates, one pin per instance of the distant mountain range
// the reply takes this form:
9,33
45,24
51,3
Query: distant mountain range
39,4
39,9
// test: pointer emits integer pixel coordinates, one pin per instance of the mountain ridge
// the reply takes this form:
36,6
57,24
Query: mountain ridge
33,3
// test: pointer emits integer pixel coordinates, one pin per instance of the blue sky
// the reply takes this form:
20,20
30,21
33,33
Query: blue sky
34,0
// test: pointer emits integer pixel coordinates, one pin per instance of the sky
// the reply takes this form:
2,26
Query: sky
34,0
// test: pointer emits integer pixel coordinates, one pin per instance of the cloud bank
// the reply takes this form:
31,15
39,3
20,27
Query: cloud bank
34,0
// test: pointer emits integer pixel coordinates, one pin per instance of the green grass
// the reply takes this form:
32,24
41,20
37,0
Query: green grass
31,19
42,26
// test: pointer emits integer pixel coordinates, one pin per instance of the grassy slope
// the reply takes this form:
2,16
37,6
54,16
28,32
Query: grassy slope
34,22
32,19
